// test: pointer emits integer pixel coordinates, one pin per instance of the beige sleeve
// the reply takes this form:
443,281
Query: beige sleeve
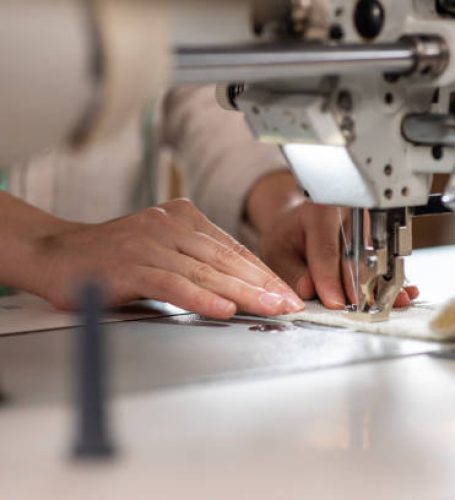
221,158
91,185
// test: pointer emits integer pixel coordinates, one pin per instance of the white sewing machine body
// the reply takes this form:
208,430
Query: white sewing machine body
359,115
359,96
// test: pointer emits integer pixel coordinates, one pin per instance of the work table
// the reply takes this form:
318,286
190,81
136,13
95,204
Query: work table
222,410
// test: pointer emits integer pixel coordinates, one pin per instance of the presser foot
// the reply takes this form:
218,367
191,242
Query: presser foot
382,264
378,295
380,291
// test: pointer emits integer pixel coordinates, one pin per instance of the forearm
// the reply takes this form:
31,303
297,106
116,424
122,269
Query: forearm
271,196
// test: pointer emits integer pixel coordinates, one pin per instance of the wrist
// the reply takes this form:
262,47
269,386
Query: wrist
272,195
48,259
30,263
25,230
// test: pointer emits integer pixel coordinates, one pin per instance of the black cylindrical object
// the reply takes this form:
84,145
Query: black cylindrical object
92,434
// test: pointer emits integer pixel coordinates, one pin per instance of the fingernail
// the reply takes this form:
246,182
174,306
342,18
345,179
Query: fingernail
223,305
335,303
294,303
412,291
271,300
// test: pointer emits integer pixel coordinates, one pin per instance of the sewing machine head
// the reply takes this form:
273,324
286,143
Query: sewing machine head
368,120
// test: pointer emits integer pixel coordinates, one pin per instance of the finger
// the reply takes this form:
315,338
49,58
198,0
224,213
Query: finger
213,231
186,212
230,262
197,220
291,267
412,291
305,287
323,257
170,287
402,300
248,298
210,229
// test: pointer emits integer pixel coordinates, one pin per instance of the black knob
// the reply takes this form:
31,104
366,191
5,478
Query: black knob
369,18
446,7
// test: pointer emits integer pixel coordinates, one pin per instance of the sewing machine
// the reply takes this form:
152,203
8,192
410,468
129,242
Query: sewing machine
360,97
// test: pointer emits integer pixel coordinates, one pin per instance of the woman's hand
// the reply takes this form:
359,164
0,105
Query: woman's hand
306,250
170,253
301,242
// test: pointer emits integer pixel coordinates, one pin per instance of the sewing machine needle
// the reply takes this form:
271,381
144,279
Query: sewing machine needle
358,247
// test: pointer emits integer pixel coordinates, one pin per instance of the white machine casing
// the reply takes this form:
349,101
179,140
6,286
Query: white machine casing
354,153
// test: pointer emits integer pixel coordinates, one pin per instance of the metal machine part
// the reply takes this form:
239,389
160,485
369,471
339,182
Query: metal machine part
369,18
449,194
382,263
357,250
438,204
355,133
360,98
446,7
291,18
291,60
358,234
430,129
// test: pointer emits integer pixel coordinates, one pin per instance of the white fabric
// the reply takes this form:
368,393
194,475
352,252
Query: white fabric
413,322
